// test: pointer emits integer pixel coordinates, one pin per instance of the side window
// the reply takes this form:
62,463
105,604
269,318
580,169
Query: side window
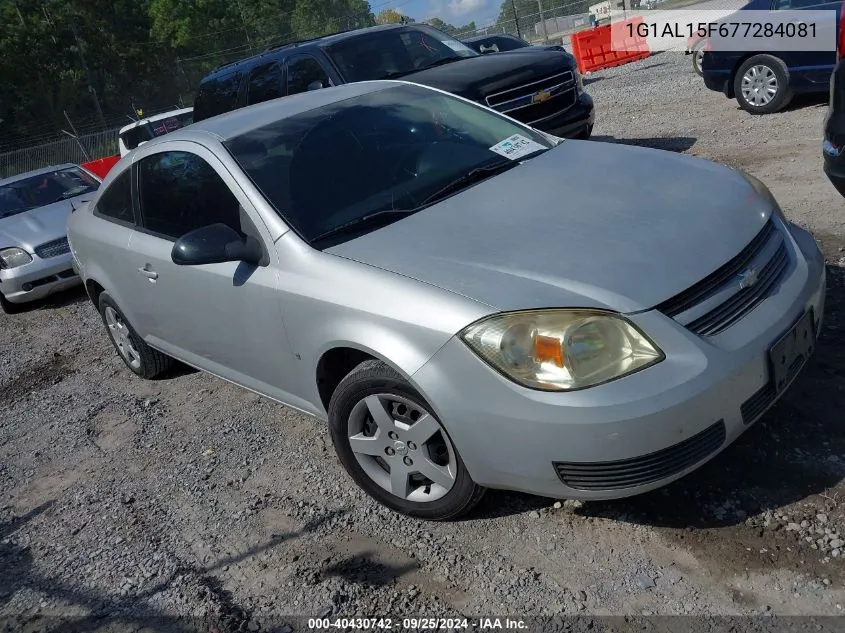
265,83
116,201
303,72
180,192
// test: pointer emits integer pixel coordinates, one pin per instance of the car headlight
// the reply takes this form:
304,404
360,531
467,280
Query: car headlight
561,350
763,191
14,257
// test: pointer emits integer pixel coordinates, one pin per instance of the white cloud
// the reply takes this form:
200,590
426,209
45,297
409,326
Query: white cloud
451,9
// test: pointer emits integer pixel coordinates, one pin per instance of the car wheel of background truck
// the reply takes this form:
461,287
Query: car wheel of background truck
761,85
142,359
394,447
697,56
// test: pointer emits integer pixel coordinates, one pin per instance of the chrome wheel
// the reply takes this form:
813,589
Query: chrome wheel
119,333
402,448
759,85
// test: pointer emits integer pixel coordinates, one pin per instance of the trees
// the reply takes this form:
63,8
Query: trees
71,55
392,16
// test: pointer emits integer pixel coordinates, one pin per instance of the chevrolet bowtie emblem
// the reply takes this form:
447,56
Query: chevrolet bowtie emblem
541,97
748,278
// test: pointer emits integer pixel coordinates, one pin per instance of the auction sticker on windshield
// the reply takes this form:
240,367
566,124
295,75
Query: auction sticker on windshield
516,146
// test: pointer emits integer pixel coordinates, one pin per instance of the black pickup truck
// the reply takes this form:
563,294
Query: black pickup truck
541,88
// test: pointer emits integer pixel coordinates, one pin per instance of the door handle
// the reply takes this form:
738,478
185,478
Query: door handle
149,274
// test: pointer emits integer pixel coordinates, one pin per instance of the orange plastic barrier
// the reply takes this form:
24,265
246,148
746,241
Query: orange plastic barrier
101,166
608,46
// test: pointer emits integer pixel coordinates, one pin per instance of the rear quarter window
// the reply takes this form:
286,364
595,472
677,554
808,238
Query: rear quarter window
217,96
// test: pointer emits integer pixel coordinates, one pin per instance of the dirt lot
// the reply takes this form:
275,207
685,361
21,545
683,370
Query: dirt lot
122,499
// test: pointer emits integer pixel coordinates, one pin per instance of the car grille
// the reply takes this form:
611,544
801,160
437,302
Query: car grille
53,249
520,102
759,403
767,253
639,471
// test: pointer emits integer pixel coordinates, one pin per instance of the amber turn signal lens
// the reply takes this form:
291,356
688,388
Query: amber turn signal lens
547,349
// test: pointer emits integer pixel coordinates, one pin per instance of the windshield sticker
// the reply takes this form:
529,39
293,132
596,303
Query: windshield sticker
516,146
455,46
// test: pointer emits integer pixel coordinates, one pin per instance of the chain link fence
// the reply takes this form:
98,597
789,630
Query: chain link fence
72,149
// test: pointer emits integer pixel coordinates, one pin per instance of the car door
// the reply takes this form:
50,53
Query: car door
305,72
223,318
810,69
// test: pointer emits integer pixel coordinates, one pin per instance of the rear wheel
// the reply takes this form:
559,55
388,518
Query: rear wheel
394,447
142,359
697,56
761,85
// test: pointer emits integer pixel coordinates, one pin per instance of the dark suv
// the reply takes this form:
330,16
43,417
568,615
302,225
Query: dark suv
541,88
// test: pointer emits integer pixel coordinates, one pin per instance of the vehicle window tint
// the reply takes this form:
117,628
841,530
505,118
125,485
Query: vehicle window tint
116,200
510,43
384,54
389,149
265,83
785,5
304,71
180,192
217,96
133,137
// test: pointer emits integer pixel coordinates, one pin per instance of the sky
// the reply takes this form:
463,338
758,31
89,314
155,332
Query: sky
457,12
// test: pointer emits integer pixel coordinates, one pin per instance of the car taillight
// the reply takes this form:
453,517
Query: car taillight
841,40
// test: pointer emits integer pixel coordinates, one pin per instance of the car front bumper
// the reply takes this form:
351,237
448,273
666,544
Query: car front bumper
38,279
573,122
691,404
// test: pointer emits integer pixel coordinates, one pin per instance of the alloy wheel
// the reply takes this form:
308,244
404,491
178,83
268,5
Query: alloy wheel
402,448
119,332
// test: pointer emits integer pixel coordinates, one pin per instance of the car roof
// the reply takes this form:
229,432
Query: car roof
325,40
36,172
242,120
155,117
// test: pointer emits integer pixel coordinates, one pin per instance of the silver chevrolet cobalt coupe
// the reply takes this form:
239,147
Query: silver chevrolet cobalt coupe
468,302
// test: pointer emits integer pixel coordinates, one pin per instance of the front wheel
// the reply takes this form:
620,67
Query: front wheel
395,448
761,85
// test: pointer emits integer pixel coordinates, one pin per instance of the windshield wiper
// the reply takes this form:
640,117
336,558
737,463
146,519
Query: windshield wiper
474,175
372,219
439,62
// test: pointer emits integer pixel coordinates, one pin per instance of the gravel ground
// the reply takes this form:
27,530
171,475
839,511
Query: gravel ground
122,500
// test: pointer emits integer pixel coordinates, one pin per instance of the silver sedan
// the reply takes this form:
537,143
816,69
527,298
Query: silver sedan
35,259
468,302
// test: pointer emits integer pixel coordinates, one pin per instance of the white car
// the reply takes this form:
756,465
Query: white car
139,132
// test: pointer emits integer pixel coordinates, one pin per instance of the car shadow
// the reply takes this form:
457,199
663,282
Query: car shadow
668,143
796,450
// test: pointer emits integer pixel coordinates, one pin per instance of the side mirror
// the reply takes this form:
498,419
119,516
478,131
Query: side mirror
315,85
214,244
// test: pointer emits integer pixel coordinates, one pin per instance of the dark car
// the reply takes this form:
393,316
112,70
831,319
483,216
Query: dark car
541,88
765,81
833,145
502,43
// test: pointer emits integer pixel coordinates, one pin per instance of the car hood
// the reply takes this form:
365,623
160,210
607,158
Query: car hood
477,77
587,224
36,226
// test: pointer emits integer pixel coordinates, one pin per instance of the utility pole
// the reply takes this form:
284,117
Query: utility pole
516,18
543,22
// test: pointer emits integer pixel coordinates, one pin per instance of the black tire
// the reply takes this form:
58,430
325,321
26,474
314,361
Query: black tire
783,94
10,308
375,377
152,362
585,134
697,53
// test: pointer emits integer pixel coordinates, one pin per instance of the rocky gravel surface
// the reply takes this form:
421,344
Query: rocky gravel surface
125,501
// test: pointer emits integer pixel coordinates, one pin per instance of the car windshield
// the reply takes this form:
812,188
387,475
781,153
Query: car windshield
387,152
395,52
47,188
152,129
